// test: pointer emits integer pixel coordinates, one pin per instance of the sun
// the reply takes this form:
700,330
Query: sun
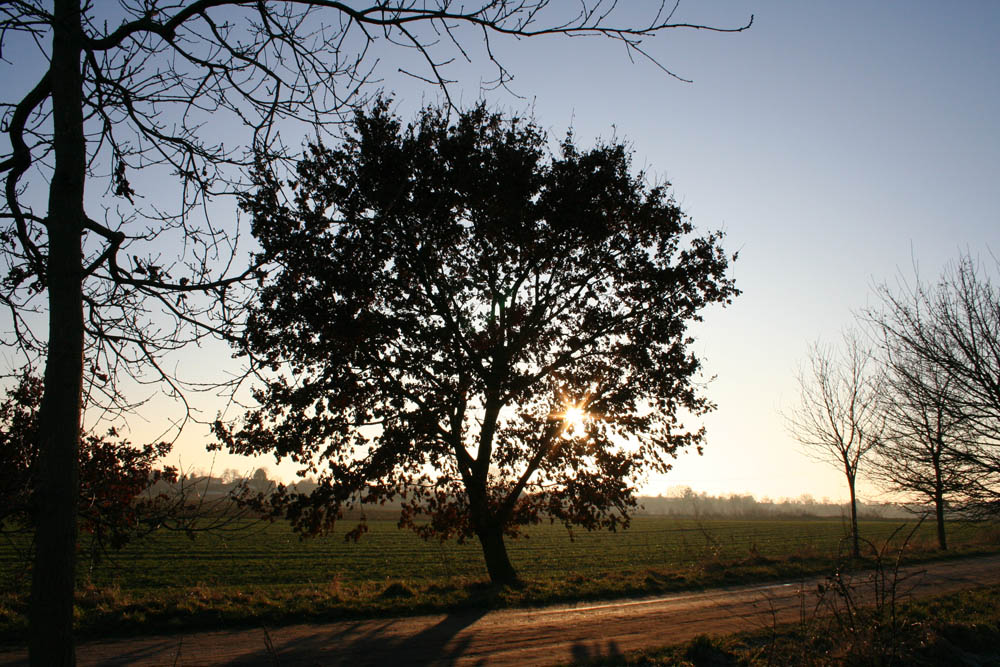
574,422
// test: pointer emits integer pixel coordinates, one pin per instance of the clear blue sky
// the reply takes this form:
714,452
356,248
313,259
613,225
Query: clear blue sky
835,142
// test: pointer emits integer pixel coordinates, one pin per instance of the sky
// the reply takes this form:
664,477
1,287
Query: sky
838,144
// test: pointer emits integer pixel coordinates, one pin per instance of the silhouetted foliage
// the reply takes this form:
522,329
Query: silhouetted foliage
440,294
113,474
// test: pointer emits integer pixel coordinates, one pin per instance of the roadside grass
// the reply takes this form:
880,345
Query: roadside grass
267,576
957,629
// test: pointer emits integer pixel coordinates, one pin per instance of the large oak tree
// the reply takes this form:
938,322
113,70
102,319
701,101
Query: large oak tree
454,316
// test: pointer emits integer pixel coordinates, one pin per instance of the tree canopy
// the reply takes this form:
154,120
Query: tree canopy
454,315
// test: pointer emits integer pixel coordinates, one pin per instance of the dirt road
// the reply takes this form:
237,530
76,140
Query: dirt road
515,637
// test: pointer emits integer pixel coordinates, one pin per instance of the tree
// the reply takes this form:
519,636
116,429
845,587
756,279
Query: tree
456,317
837,418
950,332
113,474
132,86
919,450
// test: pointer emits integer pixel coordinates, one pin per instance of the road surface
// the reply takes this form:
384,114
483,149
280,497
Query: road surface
544,636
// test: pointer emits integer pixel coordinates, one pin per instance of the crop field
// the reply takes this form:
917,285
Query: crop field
270,555
265,574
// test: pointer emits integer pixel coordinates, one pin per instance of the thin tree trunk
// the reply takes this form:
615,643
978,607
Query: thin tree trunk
855,546
495,550
939,510
53,574
939,505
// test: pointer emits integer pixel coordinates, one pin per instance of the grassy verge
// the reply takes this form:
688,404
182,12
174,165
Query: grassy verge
263,580
957,629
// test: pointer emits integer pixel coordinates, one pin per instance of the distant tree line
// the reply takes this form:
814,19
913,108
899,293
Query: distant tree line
912,398
689,503
234,483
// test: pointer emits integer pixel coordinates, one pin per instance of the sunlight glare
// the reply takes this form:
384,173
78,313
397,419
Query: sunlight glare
573,422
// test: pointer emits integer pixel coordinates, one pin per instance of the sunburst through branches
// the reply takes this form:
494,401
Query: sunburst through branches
574,418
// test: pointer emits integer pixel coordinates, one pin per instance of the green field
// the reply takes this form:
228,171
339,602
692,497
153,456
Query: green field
267,572
272,555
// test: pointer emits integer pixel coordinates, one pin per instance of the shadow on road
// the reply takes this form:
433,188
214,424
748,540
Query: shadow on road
363,644
591,652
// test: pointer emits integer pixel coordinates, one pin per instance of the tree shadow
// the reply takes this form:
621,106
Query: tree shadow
363,643
584,653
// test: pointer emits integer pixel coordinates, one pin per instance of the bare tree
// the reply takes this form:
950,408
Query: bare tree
920,451
951,331
143,85
838,419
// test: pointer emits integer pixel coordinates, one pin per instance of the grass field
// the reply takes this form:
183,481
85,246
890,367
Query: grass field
267,572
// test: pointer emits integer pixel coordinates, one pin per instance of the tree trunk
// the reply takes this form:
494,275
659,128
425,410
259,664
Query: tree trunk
497,563
855,546
939,510
939,505
53,573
